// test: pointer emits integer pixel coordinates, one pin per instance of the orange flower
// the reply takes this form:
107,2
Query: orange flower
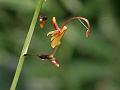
56,34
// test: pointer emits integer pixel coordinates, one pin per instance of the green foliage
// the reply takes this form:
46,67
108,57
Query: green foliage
86,64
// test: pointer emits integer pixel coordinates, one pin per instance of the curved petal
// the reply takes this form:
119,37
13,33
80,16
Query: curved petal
56,39
52,33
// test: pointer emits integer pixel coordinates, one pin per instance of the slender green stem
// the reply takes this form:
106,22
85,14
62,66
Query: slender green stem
26,45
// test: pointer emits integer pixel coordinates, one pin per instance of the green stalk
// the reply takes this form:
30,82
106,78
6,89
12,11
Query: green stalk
26,45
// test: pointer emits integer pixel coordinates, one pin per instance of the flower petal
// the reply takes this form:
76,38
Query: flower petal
55,24
52,38
56,39
51,33
55,62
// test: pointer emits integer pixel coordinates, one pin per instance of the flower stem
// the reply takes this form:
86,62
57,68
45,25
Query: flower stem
54,51
87,26
26,45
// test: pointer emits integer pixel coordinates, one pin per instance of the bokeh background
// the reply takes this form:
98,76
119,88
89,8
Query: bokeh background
86,64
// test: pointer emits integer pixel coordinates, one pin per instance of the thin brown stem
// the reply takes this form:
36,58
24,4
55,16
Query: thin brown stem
54,51
87,26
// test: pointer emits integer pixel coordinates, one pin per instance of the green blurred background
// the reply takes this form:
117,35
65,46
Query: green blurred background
86,64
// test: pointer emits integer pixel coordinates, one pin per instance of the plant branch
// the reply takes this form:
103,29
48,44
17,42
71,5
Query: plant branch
26,45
